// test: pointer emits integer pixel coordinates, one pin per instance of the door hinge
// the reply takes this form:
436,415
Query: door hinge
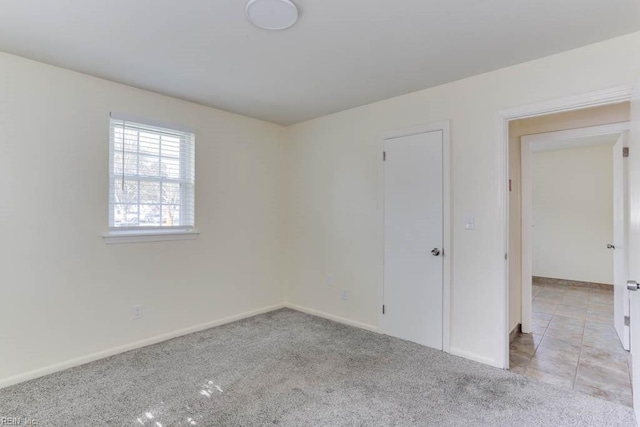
627,321
505,256
383,309
384,156
625,151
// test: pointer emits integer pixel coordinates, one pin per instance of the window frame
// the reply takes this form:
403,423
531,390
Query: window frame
186,163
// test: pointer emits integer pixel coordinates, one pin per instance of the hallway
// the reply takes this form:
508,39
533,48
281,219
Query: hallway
573,343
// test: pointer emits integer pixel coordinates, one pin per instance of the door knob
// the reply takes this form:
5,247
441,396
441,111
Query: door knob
632,285
610,246
435,251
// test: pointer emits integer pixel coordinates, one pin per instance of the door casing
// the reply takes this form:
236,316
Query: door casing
634,242
592,99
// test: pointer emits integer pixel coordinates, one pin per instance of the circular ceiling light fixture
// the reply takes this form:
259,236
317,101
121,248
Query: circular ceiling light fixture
272,14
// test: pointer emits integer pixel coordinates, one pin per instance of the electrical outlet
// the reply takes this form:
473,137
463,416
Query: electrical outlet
330,280
136,312
345,294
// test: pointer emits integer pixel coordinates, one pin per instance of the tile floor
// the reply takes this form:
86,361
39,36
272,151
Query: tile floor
574,343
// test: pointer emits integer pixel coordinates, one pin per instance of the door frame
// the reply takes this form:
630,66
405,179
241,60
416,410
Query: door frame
592,99
526,198
445,127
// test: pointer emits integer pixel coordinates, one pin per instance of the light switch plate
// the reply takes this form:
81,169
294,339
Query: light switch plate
470,223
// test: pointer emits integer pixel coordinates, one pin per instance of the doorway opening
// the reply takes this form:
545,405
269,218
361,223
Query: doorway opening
566,195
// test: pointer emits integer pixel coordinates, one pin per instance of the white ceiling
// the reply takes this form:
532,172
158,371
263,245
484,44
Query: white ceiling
341,53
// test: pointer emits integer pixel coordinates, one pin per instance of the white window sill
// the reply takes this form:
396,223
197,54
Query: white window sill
141,236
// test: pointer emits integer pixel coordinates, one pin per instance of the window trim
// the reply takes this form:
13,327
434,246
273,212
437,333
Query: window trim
116,235
152,235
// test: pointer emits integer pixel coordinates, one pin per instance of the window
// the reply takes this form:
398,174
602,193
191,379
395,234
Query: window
151,179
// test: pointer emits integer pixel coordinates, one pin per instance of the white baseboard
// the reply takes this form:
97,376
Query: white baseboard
6,382
164,337
475,357
332,317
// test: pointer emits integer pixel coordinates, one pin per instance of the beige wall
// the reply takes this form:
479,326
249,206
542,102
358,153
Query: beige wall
65,294
572,214
550,123
336,205
304,201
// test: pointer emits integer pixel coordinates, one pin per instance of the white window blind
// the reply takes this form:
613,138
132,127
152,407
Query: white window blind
151,177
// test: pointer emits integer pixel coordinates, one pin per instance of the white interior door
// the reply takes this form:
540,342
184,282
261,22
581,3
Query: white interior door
634,243
413,233
620,237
